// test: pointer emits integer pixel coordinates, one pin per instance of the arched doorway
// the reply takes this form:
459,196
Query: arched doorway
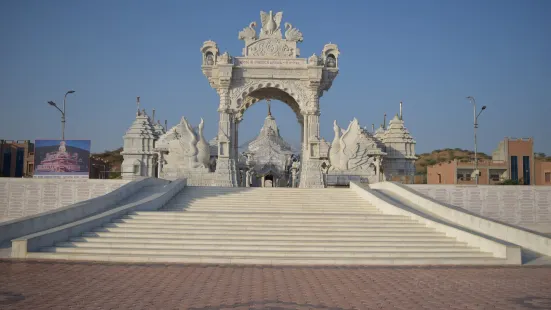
269,69
269,148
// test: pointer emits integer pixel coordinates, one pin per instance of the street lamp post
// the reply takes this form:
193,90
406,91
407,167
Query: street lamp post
471,99
53,104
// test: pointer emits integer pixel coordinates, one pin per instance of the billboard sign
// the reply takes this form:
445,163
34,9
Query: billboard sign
62,159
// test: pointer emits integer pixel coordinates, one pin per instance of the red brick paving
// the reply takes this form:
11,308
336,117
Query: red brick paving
76,285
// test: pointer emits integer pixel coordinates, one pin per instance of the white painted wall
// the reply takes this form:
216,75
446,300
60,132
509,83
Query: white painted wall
525,206
20,197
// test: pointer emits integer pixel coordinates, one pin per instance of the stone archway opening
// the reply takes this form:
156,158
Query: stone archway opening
268,93
270,68
266,151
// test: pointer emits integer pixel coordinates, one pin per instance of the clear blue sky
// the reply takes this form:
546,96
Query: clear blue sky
428,54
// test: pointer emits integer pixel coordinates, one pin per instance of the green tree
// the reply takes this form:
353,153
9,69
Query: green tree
451,154
509,182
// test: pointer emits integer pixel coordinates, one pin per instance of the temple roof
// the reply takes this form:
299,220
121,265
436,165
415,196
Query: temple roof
397,132
269,149
141,127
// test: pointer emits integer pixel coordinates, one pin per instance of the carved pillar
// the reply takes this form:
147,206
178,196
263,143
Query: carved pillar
310,173
159,164
378,168
305,134
236,139
301,124
225,166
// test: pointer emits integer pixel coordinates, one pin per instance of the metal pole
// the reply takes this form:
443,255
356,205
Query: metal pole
475,151
63,115
63,118
475,123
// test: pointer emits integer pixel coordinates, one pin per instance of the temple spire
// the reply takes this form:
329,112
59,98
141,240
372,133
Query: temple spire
138,104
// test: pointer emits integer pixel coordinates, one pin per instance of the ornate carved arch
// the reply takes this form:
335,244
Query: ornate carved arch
293,93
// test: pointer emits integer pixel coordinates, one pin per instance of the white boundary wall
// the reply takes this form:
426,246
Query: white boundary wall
20,197
525,206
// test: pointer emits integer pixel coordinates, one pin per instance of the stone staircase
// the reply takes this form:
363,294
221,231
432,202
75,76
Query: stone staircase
275,226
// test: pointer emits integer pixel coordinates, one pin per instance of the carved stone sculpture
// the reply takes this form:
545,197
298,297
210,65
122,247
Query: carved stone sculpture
203,149
335,150
292,34
248,33
354,150
313,60
186,148
270,25
225,58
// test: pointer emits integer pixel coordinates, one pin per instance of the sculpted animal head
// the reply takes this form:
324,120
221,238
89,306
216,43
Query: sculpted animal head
336,128
201,125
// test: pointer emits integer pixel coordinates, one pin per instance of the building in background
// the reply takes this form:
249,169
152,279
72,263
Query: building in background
16,158
512,160
99,168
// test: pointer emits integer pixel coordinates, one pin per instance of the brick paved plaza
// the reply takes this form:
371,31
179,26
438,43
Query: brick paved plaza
72,285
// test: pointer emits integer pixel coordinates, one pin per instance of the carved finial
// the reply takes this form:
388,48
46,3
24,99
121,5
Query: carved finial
269,107
372,127
384,122
153,116
166,124
138,104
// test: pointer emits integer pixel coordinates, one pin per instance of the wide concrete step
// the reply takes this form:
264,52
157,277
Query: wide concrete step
269,222
271,226
402,242
273,210
258,260
269,191
243,233
268,237
245,220
318,199
238,214
268,247
255,229
246,204
260,253
281,197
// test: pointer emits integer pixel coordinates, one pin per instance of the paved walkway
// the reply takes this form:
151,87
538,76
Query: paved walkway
68,285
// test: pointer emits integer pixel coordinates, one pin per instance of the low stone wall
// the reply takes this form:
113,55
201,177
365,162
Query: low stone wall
21,197
525,206
74,212
76,223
